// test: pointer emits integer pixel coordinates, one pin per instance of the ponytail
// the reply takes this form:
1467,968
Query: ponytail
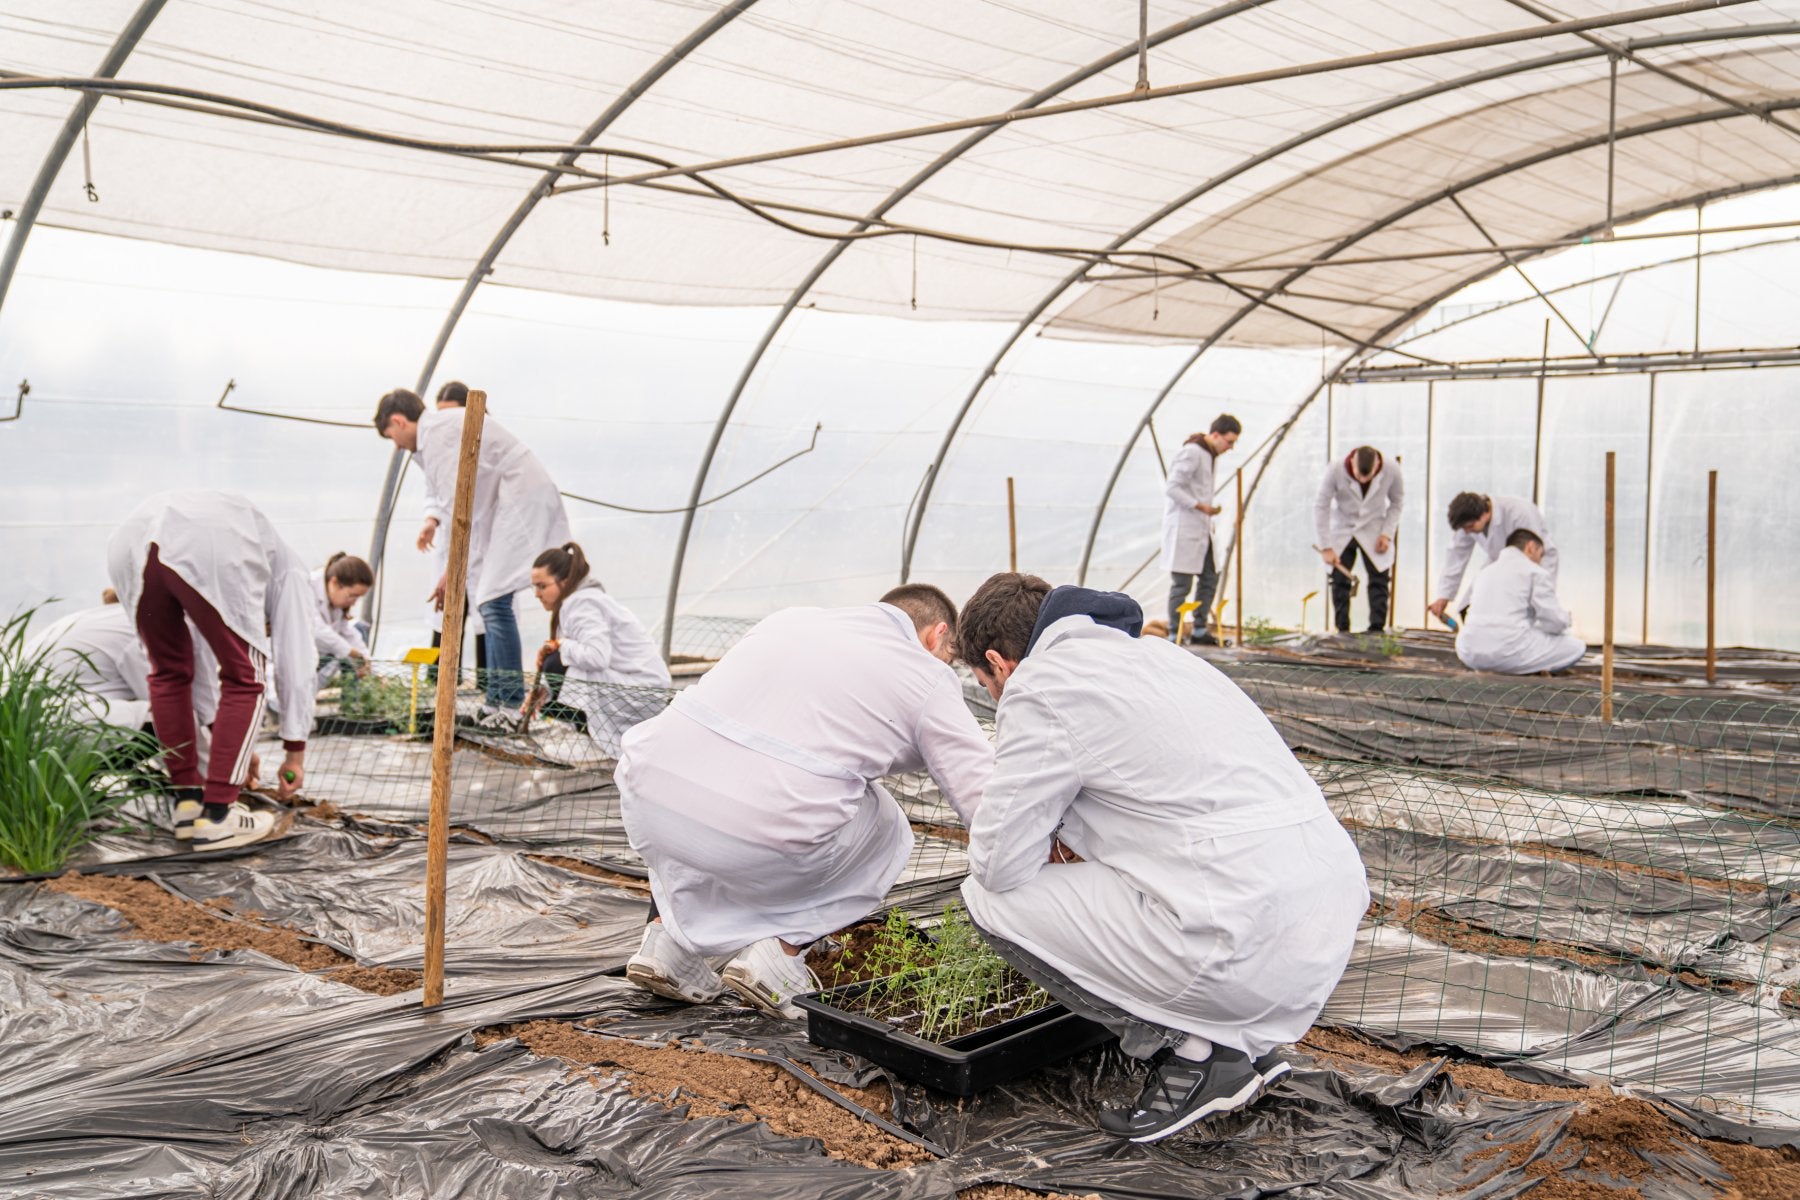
569,567
346,570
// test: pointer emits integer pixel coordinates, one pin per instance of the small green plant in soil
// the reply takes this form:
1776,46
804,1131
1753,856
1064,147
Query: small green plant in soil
1260,631
936,987
63,772
374,697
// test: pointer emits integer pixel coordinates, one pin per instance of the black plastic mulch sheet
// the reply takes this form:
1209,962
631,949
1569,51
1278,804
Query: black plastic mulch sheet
134,1069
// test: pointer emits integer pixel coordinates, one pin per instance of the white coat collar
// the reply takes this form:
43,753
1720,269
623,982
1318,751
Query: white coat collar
1073,625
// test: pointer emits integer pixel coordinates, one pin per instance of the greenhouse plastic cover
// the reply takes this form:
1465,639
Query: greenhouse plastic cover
134,1069
1358,160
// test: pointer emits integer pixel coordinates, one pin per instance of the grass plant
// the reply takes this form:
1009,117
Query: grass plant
374,697
63,771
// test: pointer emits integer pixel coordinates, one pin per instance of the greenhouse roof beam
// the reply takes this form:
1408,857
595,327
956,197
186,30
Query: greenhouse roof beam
1615,364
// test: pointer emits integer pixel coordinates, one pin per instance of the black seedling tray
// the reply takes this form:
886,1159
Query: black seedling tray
962,1066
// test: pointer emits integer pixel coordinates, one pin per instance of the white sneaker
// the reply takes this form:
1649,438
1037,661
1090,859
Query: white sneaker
238,827
663,966
497,720
186,813
769,978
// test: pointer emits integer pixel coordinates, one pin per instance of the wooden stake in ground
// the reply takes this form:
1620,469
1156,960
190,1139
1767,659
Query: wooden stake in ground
1012,528
1394,577
443,726
1237,544
1606,653
1712,558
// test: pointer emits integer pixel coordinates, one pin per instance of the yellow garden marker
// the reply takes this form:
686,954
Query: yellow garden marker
418,656
1182,613
1304,601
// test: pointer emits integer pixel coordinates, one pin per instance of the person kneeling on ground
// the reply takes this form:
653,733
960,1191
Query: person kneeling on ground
1515,624
598,646
1149,851
211,558
753,800
344,580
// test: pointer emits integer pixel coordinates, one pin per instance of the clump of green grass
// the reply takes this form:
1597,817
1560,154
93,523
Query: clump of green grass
1260,631
374,697
942,986
63,772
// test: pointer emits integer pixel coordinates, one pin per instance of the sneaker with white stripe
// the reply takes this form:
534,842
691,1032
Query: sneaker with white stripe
238,827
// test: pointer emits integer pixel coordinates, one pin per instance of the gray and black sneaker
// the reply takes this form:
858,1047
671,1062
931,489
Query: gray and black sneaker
1180,1092
1271,1067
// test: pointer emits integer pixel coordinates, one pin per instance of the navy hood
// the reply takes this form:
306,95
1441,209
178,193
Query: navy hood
1115,610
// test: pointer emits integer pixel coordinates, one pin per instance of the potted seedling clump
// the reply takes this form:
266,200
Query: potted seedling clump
939,1007
369,704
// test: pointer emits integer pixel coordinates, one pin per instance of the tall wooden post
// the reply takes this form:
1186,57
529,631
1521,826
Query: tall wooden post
1237,544
1394,571
1712,559
443,726
1012,528
1606,653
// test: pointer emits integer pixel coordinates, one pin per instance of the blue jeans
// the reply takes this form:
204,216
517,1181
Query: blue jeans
505,657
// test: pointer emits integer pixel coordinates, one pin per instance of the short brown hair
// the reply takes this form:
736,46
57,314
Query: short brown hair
1522,538
1466,508
926,605
1226,423
401,401
455,392
1366,458
1000,617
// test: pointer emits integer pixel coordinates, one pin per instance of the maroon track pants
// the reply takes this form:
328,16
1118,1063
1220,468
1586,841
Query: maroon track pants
163,611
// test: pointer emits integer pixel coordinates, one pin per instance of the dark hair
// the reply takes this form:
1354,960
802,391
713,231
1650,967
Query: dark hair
1466,507
569,567
1522,538
347,570
455,392
1366,458
1000,617
401,401
1226,423
926,605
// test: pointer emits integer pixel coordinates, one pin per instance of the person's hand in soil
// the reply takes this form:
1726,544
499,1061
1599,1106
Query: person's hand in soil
1060,853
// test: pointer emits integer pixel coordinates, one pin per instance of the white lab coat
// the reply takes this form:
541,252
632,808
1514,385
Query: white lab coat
1342,512
100,648
1219,897
223,547
1187,532
1510,513
334,633
752,798
518,513
1516,624
616,675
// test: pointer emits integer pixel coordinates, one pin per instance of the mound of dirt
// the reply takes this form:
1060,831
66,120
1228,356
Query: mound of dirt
155,915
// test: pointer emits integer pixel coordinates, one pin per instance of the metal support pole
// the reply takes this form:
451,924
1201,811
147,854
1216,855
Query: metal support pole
1330,421
443,724
1712,566
1394,571
1143,79
1612,131
1012,529
1537,438
1649,490
1237,544
1606,653
1699,227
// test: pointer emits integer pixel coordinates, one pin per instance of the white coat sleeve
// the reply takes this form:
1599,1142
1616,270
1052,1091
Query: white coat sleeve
291,619
1035,780
586,642
1455,563
1322,512
1548,614
954,749
328,637
1182,486
1396,500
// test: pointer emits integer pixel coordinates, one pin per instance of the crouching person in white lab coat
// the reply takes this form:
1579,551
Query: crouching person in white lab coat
1149,851
344,580
599,670
1516,624
212,559
753,799
100,650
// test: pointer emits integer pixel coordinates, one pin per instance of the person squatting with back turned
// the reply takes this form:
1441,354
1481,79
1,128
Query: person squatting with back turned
753,798
213,559
1516,624
517,512
1357,511
1188,510
1149,851
598,667
344,580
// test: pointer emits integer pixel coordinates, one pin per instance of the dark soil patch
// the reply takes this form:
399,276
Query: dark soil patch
1587,858
1606,1140
155,915
718,1085
631,882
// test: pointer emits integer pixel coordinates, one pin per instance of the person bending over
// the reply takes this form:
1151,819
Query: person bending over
1486,521
212,559
1516,625
753,800
1149,851
597,642
517,512
1357,511
337,587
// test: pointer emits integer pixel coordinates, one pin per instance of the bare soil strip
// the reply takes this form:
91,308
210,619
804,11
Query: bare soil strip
156,916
